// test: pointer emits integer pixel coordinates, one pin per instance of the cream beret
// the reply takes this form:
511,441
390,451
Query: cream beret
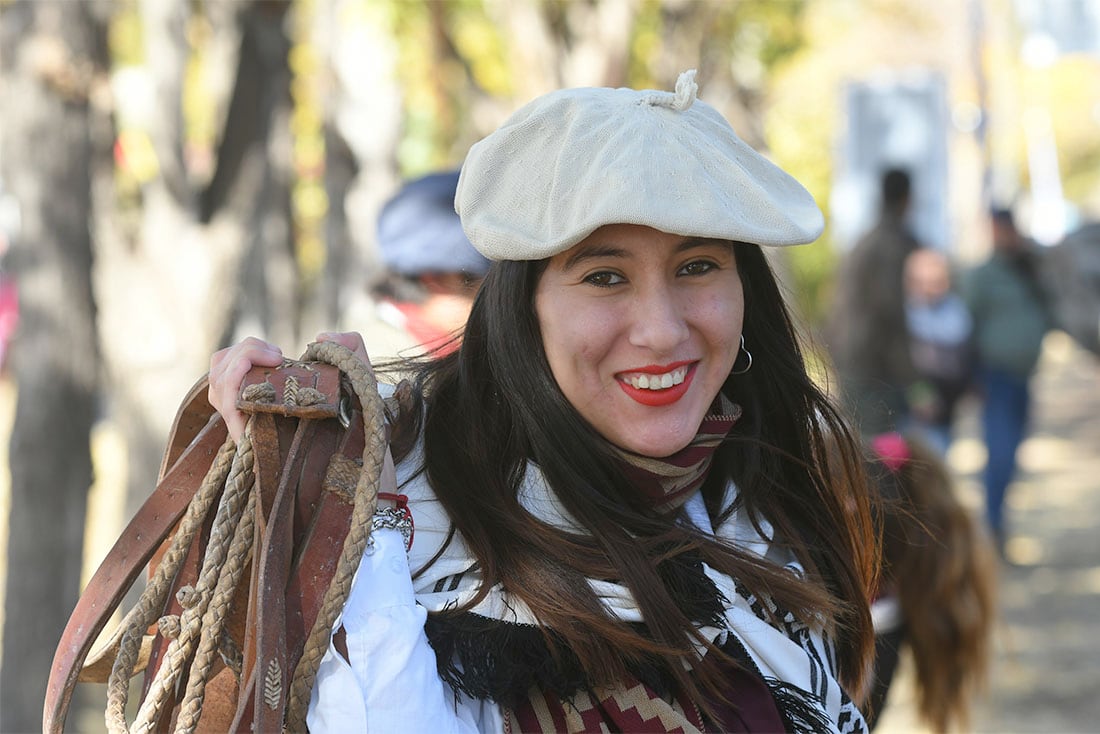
576,159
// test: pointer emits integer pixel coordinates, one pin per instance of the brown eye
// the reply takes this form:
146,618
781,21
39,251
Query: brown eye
698,267
603,279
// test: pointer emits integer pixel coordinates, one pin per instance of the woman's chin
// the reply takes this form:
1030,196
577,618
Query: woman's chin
658,448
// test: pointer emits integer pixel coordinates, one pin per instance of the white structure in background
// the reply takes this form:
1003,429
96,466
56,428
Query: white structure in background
894,120
1068,26
1048,210
1051,29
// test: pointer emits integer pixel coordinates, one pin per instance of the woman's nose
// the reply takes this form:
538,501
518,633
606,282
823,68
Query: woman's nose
658,321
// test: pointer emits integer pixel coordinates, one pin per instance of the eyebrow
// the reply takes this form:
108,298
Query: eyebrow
598,251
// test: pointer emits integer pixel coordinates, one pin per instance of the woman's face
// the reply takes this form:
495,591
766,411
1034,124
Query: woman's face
641,328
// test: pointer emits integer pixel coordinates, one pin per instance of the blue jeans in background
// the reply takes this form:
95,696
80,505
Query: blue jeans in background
1007,402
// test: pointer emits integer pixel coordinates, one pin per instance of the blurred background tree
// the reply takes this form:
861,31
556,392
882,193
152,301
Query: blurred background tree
52,141
198,171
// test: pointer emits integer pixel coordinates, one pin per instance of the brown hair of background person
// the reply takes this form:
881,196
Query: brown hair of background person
939,570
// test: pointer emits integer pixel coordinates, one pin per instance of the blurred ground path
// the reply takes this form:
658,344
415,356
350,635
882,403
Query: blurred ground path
1045,673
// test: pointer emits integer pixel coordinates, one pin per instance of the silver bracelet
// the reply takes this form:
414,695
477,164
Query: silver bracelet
391,518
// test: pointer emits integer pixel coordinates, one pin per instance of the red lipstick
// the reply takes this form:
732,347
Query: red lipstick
658,398
657,369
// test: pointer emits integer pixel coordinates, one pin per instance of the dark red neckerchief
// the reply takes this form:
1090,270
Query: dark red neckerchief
671,480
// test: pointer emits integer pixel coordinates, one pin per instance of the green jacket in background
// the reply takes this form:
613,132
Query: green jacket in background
1009,311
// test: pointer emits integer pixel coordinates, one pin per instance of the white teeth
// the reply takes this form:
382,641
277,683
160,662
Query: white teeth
657,382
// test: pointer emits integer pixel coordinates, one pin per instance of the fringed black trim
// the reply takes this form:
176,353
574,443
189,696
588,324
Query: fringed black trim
492,659
696,595
502,661
799,712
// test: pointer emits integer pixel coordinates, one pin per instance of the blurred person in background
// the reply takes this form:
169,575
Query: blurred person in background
937,593
1011,318
867,332
1071,275
432,272
9,305
941,346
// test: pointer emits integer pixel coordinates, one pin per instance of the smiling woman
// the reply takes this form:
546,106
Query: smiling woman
623,521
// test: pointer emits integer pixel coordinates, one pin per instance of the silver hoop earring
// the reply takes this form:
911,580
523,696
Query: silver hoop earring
747,354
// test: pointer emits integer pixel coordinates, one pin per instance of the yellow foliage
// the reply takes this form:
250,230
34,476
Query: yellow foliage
125,35
138,158
478,41
310,256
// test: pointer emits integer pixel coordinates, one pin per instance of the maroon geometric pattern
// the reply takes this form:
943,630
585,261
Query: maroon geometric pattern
635,709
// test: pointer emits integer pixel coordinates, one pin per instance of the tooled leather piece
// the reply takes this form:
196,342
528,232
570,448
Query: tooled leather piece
322,542
299,389
271,440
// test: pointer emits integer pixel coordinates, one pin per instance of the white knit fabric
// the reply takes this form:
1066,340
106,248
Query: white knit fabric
576,159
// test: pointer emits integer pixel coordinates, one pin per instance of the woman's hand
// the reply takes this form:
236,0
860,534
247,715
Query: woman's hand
229,366
227,370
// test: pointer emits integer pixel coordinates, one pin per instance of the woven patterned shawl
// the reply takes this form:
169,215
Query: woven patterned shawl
496,651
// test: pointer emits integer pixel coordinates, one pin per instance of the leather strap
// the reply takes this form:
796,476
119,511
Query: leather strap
133,549
272,668
195,412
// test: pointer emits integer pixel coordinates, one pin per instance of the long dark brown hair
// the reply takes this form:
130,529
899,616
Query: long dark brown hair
493,407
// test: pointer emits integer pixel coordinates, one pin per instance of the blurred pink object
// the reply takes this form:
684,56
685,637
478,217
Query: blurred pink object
9,313
892,449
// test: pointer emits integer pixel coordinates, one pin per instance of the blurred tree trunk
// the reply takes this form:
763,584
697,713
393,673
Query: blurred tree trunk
363,127
52,52
207,254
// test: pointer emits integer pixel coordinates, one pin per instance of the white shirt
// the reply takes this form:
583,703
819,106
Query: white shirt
392,685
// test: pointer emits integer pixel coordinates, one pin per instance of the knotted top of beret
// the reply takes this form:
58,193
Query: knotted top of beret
574,160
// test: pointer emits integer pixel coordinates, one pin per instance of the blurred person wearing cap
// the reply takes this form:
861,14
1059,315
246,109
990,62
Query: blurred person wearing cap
867,331
1011,316
623,515
432,272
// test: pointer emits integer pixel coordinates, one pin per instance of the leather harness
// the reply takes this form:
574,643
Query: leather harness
316,458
